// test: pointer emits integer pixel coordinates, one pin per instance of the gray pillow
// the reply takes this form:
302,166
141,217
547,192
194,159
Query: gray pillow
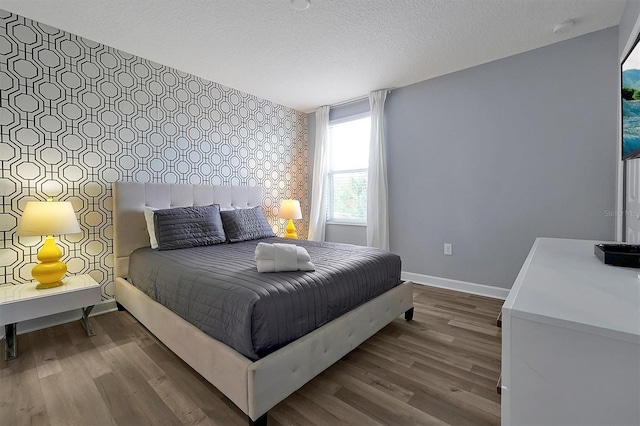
184,227
246,224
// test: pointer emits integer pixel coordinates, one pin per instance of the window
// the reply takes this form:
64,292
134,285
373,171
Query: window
348,168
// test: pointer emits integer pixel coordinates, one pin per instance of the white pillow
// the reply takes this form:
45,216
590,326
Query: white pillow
148,216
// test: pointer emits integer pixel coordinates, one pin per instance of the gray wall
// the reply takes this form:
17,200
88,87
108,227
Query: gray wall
348,234
492,157
629,18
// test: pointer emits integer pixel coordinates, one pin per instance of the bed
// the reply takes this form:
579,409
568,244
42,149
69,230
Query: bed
255,383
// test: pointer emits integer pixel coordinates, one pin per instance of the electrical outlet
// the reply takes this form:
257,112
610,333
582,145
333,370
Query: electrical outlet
448,249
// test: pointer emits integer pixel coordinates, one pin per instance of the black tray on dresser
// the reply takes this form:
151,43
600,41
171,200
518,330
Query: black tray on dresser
619,254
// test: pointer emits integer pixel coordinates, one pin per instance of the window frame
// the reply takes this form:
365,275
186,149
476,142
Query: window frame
331,173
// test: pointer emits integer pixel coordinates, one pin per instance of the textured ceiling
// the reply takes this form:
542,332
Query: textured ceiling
334,51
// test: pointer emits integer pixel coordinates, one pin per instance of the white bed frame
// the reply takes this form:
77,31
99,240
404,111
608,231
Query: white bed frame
255,387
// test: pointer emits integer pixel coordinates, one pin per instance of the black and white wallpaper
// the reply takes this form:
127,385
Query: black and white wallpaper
76,115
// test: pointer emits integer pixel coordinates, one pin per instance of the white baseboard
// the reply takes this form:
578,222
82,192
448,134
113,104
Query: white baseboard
463,286
61,318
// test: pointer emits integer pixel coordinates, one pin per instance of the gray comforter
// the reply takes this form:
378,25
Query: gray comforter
218,289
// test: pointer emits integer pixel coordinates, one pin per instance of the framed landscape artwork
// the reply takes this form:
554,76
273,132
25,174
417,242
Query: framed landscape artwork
631,104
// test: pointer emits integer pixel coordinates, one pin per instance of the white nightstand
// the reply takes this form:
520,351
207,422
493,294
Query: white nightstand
23,302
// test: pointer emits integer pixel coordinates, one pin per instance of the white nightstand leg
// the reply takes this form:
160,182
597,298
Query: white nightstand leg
10,341
85,321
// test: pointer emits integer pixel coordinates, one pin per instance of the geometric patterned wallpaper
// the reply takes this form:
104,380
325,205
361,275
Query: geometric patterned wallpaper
76,115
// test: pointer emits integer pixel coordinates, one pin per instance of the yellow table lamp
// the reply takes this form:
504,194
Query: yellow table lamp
48,218
290,209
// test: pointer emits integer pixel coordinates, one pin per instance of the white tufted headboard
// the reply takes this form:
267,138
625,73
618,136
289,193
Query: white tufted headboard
130,199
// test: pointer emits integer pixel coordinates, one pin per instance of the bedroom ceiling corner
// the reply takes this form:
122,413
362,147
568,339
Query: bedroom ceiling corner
329,52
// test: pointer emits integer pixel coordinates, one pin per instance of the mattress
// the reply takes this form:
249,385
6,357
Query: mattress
218,289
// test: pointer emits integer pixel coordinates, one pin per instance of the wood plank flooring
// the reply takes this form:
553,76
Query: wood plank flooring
441,368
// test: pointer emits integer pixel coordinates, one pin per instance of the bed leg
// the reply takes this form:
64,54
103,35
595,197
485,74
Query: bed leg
408,315
120,307
260,421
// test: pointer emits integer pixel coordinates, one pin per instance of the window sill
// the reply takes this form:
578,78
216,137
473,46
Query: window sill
346,223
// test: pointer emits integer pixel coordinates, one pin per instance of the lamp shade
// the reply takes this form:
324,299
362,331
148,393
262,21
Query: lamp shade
48,218
290,209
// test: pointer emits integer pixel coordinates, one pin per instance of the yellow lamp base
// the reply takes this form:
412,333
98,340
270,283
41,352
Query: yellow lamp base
42,286
291,230
50,270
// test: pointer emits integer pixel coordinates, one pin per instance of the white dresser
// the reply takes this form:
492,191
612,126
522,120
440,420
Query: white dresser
571,339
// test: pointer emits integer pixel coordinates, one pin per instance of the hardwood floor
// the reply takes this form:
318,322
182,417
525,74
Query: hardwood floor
440,368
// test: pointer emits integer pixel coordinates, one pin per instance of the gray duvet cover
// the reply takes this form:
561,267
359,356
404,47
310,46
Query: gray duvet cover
218,289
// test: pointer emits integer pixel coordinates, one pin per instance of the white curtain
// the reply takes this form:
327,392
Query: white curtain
377,204
318,215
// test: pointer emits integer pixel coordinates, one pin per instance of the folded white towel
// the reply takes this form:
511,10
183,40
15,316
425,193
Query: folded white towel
266,251
286,257
282,257
270,266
